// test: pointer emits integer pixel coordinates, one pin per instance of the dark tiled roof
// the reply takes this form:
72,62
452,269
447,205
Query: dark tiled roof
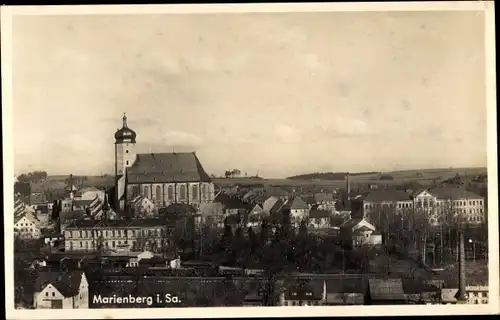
72,215
348,285
166,167
320,197
67,283
387,195
22,188
231,202
180,209
351,223
417,286
316,213
138,223
305,290
453,193
309,200
297,203
82,203
386,289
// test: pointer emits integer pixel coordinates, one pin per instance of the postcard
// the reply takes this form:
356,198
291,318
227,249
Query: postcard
202,161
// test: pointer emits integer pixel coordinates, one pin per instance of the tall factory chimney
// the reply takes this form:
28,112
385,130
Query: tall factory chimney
348,187
461,269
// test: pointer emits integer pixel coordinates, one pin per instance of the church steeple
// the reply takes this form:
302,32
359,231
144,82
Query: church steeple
125,134
124,120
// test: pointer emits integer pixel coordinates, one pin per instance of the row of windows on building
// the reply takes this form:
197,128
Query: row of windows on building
469,219
108,244
158,195
420,204
26,224
113,233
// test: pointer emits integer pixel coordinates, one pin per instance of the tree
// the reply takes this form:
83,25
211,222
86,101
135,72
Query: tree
252,239
56,210
34,176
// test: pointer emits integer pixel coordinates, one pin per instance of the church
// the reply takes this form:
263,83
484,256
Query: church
164,178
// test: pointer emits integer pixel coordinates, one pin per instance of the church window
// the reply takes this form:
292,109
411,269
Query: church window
135,191
127,162
204,191
158,194
195,192
126,151
182,192
146,191
170,193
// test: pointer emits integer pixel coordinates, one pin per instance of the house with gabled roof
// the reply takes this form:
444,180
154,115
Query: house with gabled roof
143,207
61,290
346,291
386,291
298,208
359,232
269,203
27,226
303,293
319,218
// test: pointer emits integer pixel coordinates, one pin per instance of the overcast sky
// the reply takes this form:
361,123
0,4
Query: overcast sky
278,94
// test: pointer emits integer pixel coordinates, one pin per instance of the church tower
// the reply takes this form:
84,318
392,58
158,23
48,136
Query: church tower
124,157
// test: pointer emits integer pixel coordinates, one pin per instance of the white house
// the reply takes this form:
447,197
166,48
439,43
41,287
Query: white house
90,193
27,226
144,207
299,210
360,232
61,290
134,261
319,218
269,204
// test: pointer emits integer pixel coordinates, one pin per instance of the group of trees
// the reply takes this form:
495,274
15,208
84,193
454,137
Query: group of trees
35,176
411,232
328,175
233,173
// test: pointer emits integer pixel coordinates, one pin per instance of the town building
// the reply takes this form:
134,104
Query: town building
359,232
27,226
434,203
143,207
319,218
164,178
477,294
298,209
345,291
303,293
61,290
110,235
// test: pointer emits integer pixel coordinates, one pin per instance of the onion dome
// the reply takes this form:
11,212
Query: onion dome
125,134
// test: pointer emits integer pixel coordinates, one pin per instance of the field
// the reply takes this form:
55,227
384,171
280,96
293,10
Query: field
424,177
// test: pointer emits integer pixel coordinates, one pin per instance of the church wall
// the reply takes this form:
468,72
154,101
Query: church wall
157,197
169,197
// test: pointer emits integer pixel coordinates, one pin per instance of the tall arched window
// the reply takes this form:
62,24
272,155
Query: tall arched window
182,192
170,194
146,192
158,195
204,191
135,191
195,192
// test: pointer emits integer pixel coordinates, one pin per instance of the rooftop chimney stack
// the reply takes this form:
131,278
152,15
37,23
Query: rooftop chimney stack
461,269
348,187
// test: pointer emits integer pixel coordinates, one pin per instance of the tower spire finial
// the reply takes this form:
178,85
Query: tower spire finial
124,120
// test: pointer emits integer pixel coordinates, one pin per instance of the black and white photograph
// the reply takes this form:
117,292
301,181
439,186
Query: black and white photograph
199,157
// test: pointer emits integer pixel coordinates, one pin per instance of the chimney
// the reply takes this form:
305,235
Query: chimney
461,268
348,187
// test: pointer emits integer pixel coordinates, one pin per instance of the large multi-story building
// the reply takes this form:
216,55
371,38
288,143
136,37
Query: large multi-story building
435,203
117,235
164,178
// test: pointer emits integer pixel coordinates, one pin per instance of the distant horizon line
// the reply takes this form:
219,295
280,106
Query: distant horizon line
291,175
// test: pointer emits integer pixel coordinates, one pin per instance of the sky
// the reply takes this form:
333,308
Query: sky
271,93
